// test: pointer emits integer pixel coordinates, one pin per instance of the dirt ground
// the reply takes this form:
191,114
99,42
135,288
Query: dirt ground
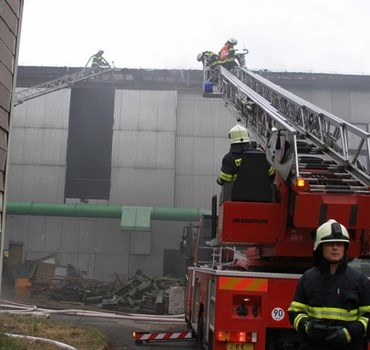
118,331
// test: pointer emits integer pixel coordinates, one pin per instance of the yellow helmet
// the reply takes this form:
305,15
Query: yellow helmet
331,231
238,134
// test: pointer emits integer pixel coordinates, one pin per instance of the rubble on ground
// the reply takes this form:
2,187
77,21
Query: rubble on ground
141,293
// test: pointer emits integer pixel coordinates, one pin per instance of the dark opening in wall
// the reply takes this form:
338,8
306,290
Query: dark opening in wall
89,147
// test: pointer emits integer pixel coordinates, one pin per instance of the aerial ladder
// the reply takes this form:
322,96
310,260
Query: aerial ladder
60,83
325,159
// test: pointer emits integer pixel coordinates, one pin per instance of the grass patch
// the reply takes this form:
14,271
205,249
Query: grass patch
82,338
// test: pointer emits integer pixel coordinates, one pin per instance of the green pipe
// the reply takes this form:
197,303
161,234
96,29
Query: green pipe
132,218
177,214
74,210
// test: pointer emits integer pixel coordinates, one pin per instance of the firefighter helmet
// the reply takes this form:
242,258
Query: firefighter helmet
200,57
100,52
232,41
331,231
238,134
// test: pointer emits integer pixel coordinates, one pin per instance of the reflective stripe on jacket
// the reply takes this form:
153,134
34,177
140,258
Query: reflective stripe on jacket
232,162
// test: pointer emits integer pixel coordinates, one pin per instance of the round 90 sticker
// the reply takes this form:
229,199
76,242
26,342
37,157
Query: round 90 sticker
277,314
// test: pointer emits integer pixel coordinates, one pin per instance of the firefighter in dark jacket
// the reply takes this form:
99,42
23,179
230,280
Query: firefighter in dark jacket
331,306
239,143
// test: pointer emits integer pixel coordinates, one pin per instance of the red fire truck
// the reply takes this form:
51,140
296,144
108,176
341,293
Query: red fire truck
252,250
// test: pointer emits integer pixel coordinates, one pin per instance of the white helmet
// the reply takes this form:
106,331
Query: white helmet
199,57
232,41
238,134
331,231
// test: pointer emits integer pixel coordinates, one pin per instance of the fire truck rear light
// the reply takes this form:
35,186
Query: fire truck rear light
237,336
301,184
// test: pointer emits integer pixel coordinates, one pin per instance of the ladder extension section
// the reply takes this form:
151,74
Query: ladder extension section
58,84
300,139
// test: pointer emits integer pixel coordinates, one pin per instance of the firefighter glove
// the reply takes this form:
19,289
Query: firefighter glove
356,330
339,339
316,329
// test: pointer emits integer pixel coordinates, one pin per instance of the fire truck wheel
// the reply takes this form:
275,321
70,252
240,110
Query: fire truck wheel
200,333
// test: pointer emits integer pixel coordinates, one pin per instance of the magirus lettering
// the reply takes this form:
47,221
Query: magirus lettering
250,221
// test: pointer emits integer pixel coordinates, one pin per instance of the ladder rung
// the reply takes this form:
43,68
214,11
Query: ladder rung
316,179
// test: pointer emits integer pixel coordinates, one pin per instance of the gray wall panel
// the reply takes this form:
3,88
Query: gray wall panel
143,149
17,226
165,235
71,227
48,111
196,191
111,239
323,99
86,238
199,116
108,230
38,149
142,187
53,234
145,110
140,242
143,154
36,183
360,107
198,155
341,104
38,146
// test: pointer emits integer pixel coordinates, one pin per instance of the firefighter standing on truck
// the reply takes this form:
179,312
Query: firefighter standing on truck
231,162
331,306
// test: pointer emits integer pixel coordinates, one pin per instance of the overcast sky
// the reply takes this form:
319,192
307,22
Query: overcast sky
321,36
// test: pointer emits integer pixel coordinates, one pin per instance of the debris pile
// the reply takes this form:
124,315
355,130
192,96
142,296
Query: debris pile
45,278
142,294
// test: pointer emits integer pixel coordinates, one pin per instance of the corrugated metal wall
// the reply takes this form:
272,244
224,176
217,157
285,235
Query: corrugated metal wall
167,150
38,149
143,159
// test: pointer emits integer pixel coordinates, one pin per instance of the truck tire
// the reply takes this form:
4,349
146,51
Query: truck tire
200,333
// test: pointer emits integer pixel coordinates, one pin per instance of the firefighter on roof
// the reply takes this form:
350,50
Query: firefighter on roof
331,306
99,61
239,143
